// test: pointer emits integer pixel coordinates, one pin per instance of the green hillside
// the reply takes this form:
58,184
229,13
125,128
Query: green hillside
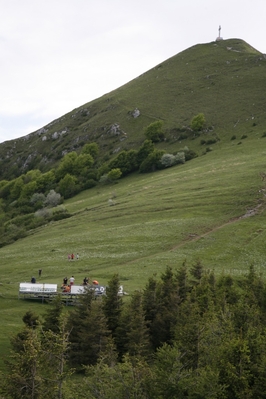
211,208
223,80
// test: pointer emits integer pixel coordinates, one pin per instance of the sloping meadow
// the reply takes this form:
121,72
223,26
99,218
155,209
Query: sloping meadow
209,209
197,210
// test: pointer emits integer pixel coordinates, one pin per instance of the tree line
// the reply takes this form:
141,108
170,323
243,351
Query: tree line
32,199
187,334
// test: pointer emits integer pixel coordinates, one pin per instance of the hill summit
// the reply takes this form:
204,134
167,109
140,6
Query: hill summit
223,80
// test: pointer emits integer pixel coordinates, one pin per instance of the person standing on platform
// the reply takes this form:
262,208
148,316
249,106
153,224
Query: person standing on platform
85,281
72,280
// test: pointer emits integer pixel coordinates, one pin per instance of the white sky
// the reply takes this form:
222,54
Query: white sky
57,55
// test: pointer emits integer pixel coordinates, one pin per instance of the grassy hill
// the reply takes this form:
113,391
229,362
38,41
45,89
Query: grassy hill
211,208
223,80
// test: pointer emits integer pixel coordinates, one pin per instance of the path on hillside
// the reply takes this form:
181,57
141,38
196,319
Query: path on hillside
194,238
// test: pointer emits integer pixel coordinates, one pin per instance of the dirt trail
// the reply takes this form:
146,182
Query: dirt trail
194,238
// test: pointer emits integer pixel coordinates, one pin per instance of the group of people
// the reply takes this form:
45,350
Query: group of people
72,256
71,280
67,287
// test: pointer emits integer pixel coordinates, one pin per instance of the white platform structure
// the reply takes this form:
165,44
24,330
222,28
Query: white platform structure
39,291
29,288
46,291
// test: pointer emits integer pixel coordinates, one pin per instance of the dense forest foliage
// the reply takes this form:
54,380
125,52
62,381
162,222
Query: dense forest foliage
188,334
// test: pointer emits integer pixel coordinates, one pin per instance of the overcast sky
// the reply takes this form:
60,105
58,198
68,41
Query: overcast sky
57,55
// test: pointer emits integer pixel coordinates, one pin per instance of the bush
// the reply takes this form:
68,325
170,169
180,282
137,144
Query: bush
189,154
211,141
233,137
182,136
14,232
37,198
198,122
44,213
152,162
104,179
154,132
121,162
89,184
60,213
167,160
114,174
67,186
52,199
180,158
144,151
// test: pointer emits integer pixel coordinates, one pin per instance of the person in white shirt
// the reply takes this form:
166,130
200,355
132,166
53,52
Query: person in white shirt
72,280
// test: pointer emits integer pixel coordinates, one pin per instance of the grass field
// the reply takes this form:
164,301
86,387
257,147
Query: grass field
200,210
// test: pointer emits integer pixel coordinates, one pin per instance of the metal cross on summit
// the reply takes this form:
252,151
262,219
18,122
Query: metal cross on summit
219,37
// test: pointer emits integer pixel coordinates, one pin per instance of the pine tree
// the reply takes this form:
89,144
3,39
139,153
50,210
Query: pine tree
167,303
150,303
55,347
255,289
31,322
112,305
138,343
235,367
169,374
197,271
188,332
52,316
89,334
24,377
182,281
36,367
128,379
